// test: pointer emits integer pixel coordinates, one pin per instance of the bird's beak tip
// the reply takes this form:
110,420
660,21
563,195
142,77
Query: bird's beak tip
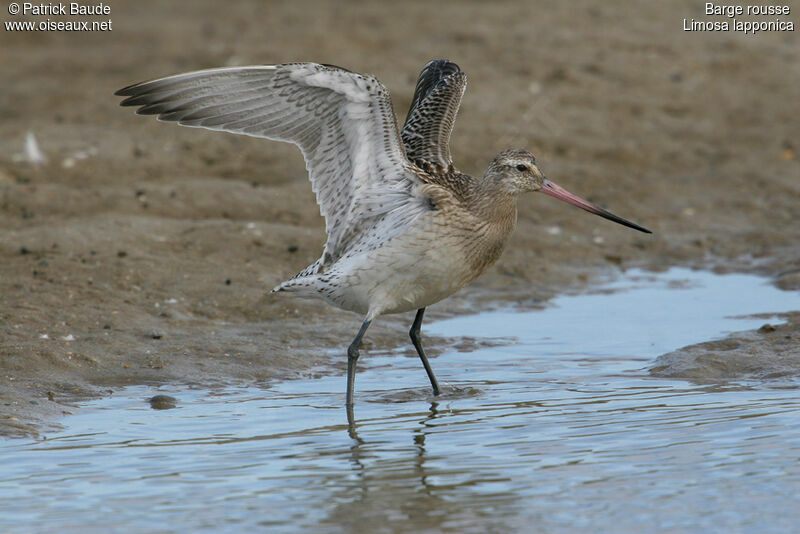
556,191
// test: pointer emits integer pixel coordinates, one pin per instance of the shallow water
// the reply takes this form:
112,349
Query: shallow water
558,429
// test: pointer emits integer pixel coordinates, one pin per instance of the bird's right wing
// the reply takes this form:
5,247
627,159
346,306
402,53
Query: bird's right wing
342,121
437,97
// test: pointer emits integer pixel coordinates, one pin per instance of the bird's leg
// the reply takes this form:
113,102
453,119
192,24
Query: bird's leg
352,358
417,341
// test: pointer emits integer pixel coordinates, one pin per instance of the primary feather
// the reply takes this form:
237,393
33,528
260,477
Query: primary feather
342,122
430,120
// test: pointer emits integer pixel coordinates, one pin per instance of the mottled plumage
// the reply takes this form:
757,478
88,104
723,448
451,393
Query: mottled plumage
405,228
430,120
342,122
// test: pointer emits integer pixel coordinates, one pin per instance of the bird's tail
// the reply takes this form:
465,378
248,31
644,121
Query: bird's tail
305,284
302,280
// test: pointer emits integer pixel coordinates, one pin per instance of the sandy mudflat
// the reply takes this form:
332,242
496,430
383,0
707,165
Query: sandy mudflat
144,252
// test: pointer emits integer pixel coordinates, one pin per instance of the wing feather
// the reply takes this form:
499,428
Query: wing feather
430,120
342,122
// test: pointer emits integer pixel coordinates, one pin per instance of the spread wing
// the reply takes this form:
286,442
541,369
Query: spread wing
426,134
342,121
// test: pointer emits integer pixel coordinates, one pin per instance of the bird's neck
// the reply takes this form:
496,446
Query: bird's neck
495,217
495,206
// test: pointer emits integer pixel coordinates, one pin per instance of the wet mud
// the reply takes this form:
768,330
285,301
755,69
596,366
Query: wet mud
143,252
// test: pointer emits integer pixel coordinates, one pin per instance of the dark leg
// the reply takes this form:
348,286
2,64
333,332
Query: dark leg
415,339
352,358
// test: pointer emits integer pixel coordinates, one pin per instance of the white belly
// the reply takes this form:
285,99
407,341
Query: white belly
430,259
409,272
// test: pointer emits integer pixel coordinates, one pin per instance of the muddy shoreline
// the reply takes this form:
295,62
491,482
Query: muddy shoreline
143,252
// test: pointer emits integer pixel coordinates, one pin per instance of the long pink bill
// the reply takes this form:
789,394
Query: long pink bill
556,191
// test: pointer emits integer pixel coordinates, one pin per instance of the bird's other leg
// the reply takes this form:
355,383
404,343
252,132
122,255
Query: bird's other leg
417,341
352,358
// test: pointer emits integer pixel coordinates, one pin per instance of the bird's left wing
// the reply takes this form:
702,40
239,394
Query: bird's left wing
430,120
342,121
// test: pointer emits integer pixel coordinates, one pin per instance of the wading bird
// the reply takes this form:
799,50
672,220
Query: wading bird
405,227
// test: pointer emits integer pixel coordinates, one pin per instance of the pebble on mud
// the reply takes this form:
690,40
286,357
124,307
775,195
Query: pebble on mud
162,402
766,328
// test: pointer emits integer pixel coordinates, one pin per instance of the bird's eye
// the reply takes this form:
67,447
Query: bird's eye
522,168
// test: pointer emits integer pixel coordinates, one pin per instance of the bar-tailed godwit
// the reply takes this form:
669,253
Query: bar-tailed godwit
405,227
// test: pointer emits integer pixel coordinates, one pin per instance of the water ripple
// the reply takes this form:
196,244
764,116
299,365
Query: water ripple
559,429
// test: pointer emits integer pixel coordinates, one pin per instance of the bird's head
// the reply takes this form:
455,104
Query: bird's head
516,171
